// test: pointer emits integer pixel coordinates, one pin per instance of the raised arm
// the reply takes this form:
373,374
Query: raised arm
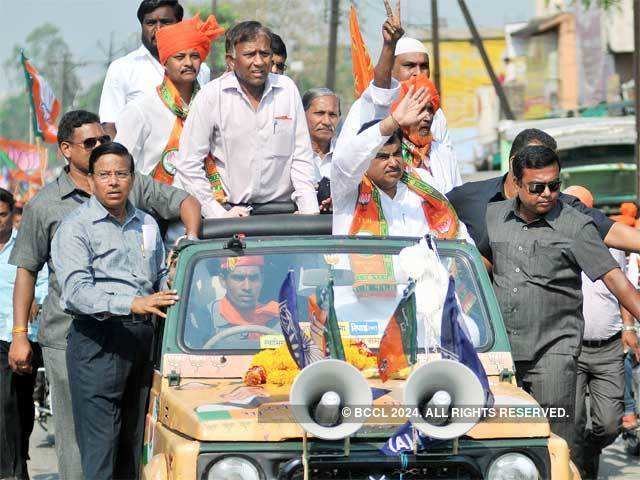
392,31
352,159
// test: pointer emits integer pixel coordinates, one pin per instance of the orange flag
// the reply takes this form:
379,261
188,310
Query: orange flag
362,66
44,103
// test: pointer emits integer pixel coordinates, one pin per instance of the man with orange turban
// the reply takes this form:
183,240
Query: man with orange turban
242,279
419,147
150,126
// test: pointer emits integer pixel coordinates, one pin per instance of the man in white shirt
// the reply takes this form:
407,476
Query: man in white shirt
607,326
374,194
322,109
253,123
150,126
140,72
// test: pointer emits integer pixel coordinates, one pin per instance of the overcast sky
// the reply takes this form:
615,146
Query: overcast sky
84,23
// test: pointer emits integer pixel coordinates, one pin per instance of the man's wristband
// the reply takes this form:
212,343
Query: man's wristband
629,328
17,330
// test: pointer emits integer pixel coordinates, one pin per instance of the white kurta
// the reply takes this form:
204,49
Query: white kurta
144,127
132,76
263,155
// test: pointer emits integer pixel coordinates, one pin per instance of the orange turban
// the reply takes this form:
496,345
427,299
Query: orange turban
434,97
188,34
232,263
628,212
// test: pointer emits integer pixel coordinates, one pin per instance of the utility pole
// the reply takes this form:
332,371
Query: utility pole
636,88
435,41
66,67
504,103
334,21
213,54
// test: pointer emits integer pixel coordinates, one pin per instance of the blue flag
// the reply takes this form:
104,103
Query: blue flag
402,441
302,350
455,343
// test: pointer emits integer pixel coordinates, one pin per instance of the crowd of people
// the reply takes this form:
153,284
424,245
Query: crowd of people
170,143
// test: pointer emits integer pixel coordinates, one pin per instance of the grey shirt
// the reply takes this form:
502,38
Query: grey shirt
102,264
537,275
40,220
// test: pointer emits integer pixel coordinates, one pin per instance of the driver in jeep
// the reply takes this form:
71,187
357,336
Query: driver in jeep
242,279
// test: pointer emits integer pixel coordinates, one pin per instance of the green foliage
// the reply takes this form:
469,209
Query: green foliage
90,99
14,117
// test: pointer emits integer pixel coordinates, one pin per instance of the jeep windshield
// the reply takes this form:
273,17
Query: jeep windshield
232,302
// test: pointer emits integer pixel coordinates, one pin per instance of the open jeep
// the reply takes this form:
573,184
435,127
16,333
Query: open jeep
209,417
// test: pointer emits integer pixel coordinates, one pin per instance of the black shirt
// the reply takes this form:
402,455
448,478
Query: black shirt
470,201
537,276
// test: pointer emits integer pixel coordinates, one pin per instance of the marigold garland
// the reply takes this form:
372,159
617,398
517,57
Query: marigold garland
281,370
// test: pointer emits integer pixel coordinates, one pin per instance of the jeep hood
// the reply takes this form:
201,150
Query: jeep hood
227,410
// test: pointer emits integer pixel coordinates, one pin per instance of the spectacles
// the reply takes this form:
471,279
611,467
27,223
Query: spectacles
104,176
538,188
91,142
281,66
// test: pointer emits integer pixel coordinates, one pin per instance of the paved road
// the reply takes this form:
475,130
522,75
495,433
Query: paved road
615,464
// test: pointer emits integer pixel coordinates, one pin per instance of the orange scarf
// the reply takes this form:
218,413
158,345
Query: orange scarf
262,315
374,274
165,170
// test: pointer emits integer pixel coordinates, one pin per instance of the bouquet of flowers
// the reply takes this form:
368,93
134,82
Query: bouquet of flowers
276,367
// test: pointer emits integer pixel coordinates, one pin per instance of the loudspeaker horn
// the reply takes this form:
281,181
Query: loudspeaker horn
320,392
435,389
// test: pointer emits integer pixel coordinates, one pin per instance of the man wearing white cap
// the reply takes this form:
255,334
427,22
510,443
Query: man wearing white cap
411,59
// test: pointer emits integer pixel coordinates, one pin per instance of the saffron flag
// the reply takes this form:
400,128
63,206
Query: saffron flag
398,346
455,343
361,61
44,103
302,350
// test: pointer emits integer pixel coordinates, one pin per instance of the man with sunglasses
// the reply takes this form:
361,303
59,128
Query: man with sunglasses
140,71
538,247
79,132
472,198
279,62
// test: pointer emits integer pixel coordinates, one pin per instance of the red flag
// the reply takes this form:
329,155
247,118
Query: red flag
362,66
44,103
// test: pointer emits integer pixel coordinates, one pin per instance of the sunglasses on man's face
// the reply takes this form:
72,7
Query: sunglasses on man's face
91,142
538,188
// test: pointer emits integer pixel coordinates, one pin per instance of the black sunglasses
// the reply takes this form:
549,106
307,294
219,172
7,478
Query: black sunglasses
90,143
538,188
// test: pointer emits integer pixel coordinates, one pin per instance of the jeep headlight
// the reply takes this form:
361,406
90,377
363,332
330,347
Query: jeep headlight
234,468
513,466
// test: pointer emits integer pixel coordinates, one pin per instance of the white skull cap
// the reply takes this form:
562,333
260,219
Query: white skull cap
410,45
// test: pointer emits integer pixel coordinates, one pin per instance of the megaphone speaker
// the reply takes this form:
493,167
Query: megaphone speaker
435,390
320,392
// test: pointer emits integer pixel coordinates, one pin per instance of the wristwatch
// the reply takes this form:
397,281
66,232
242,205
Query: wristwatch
630,328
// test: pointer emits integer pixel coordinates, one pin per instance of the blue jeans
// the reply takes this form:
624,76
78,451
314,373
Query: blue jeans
629,402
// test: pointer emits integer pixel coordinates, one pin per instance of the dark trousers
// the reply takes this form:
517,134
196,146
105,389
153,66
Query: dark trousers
551,380
16,413
601,370
109,364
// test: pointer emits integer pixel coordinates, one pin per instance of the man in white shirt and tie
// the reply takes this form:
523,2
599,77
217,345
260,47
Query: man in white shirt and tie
254,125
140,72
